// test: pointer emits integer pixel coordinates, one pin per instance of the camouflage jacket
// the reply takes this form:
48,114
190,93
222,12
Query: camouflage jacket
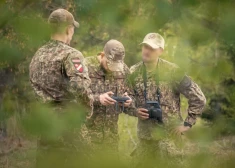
172,83
57,74
103,124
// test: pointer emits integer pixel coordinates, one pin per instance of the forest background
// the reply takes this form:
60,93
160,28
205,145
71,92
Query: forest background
199,37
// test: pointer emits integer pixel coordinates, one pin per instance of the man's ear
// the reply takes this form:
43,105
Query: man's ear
102,54
67,30
161,50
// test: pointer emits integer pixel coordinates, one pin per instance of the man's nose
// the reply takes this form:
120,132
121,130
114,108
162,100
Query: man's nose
146,54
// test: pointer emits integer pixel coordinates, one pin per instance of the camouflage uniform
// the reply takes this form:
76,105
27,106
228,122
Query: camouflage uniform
57,74
102,126
60,79
172,83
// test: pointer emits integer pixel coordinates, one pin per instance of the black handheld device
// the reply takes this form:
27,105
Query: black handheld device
120,100
154,110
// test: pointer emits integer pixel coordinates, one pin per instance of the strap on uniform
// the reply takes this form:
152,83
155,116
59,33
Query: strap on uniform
158,92
145,82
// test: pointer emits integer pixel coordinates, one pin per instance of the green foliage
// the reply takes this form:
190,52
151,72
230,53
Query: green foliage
199,37
43,121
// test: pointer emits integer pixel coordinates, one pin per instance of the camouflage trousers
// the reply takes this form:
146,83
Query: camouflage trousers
98,143
103,151
159,153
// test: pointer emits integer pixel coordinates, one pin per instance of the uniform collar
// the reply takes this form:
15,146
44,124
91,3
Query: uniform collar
57,42
98,68
102,72
154,71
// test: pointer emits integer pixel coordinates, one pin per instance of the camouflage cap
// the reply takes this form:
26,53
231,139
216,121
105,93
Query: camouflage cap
114,52
154,40
62,16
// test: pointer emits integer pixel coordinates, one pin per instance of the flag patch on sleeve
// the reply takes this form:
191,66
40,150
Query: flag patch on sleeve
77,64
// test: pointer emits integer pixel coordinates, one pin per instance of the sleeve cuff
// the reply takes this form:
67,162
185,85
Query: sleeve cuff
190,120
187,124
130,111
96,99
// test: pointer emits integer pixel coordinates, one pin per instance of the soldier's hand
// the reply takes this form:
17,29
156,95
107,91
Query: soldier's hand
142,113
180,130
106,100
128,102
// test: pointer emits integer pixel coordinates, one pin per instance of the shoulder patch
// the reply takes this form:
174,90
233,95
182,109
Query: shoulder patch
77,64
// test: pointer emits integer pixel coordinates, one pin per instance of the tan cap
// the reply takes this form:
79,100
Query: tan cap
62,16
114,52
154,40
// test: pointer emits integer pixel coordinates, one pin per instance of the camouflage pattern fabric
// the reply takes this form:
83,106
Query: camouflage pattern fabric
172,83
155,140
60,79
163,153
57,74
102,127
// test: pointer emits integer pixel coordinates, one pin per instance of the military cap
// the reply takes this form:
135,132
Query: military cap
62,16
154,40
114,52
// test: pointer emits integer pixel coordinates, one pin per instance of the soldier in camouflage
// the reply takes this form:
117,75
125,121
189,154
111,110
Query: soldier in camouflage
57,73
60,79
171,82
107,72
